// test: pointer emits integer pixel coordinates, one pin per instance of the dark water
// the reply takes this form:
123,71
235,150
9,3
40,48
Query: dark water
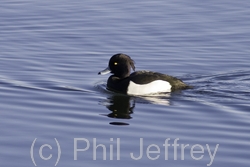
52,97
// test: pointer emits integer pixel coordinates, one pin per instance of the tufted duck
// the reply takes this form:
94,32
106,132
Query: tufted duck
139,82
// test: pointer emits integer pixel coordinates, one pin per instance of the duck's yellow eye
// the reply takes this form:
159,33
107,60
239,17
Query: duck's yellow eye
115,63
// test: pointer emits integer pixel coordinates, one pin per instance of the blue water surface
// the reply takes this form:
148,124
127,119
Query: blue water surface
55,109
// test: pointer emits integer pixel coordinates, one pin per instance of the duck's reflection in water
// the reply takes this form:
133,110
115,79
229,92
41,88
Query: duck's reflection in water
122,106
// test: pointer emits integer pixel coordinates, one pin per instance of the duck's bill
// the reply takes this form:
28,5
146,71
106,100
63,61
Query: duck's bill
106,71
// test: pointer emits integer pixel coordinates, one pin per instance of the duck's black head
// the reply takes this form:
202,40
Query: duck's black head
120,65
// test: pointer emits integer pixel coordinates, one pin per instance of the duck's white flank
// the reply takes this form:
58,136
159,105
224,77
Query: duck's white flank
150,88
